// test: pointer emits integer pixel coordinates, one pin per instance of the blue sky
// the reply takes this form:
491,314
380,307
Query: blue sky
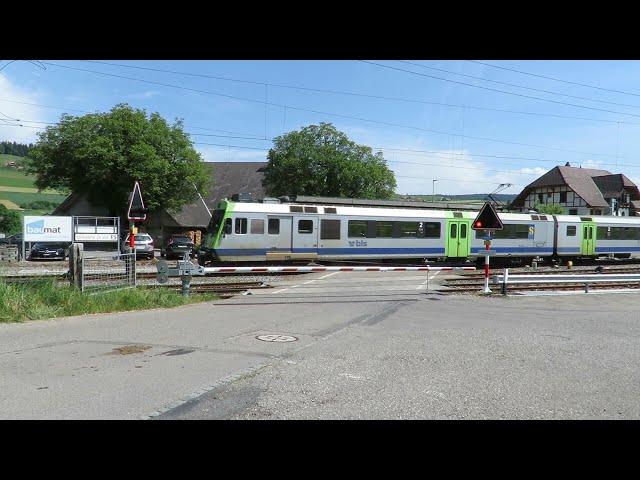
462,157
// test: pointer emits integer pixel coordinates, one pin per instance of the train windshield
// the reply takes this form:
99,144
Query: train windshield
216,220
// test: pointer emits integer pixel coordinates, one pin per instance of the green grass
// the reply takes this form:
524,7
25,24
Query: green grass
25,197
42,299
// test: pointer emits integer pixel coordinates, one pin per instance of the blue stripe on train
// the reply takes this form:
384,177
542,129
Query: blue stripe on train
332,251
515,249
600,249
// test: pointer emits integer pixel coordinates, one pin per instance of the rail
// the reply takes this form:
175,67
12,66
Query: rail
505,279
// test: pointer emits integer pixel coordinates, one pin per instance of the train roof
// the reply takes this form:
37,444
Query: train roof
609,219
285,208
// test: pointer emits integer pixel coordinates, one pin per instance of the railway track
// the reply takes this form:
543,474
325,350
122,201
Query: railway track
477,287
223,288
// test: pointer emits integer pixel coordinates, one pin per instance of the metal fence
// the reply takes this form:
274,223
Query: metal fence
106,274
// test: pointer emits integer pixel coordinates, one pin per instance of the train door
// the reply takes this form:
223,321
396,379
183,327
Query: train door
588,239
279,233
458,239
305,235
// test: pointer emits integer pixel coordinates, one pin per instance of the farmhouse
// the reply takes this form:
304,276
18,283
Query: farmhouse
582,191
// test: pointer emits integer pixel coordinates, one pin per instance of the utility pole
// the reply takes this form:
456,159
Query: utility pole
433,193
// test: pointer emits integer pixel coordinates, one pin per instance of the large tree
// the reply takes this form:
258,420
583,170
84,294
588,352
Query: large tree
319,160
10,222
102,154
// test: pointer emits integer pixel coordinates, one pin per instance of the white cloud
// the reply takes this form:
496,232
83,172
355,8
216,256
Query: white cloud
144,95
10,93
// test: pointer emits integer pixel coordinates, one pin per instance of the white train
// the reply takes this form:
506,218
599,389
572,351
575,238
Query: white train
280,232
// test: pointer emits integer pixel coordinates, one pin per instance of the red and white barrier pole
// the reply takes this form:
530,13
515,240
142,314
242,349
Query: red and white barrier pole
487,244
286,269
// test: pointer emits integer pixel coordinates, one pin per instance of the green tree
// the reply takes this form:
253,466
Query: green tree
549,208
319,160
103,154
10,222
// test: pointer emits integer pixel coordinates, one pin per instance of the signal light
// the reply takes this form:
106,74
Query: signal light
487,219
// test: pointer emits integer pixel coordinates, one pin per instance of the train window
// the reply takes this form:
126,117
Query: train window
216,220
454,230
293,208
257,226
330,230
310,209
543,217
463,230
618,233
227,226
535,217
305,226
571,230
274,226
384,229
241,226
358,228
457,214
510,231
432,229
329,210
410,229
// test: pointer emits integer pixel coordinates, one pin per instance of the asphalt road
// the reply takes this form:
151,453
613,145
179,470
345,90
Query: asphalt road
369,346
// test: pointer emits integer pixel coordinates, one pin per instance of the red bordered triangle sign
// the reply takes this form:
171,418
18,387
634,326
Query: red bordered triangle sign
136,209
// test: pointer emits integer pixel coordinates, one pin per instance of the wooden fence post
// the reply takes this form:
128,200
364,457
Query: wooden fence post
75,265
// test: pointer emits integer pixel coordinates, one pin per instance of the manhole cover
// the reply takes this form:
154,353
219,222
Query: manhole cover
277,338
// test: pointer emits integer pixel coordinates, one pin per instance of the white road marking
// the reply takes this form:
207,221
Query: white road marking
328,275
305,283
424,284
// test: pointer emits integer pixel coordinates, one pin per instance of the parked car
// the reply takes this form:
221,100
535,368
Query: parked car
143,243
176,247
49,251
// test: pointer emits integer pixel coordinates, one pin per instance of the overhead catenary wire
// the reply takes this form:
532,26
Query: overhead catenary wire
355,94
497,90
596,87
352,117
408,151
518,86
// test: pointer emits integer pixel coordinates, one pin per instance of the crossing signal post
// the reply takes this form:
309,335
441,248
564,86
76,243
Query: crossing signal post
488,221
136,213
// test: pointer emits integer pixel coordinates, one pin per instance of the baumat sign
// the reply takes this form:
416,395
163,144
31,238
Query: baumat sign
47,229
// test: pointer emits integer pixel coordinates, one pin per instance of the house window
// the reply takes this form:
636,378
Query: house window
563,197
573,211
540,198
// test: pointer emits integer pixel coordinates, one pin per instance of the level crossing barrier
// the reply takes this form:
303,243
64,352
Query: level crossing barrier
505,279
186,269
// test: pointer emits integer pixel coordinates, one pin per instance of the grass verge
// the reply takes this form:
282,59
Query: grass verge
43,299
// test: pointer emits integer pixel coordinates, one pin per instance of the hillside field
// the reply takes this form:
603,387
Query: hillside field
17,188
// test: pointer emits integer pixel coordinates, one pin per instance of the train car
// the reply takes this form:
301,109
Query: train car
258,232
597,236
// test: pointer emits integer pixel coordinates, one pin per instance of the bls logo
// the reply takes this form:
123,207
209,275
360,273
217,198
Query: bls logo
357,243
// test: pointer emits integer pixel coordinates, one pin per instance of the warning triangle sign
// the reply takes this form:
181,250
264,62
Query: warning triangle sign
136,205
487,219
